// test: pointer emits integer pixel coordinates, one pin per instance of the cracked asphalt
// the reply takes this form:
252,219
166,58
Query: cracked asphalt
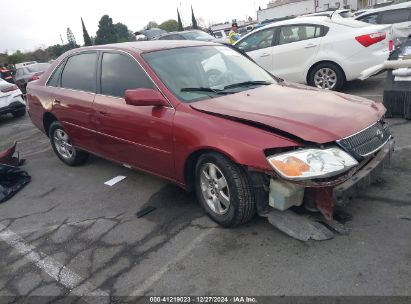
71,219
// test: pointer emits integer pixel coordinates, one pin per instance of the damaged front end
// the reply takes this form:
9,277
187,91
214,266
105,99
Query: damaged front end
322,180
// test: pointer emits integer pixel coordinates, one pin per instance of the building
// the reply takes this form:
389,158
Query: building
284,8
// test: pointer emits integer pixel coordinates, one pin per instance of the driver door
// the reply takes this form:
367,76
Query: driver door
259,46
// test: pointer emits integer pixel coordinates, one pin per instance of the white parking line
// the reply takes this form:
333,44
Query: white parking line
146,285
54,269
114,180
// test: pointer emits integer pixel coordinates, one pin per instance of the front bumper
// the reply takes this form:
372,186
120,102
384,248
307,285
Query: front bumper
363,178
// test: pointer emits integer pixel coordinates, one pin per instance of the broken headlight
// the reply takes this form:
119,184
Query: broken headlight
311,163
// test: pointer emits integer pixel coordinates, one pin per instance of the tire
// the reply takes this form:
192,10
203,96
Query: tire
19,113
60,143
241,202
330,70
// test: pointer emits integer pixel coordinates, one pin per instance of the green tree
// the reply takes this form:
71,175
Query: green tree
193,19
86,36
151,24
106,32
169,25
180,24
16,57
122,32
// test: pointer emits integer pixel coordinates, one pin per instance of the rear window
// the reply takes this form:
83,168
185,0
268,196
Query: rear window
395,16
80,72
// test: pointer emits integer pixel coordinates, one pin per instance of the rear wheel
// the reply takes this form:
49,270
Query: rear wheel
326,76
62,146
223,190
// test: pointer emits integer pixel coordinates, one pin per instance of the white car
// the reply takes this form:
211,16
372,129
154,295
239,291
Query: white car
399,15
319,51
11,99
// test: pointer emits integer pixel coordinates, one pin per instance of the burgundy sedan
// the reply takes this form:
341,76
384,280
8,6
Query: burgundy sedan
243,139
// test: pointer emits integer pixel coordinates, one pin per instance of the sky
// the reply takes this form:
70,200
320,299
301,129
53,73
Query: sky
26,24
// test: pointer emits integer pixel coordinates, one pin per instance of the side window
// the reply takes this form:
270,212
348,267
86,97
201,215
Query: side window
80,72
54,79
369,18
120,73
294,33
395,16
259,40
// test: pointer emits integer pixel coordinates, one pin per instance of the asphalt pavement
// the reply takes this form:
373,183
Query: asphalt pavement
67,233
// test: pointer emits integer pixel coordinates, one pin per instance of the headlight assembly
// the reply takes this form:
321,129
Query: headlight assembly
311,163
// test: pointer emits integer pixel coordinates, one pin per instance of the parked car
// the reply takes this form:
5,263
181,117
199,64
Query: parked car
398,14
148,105
197,35
320,51
344,13
11,99
149,34
29,73
23,64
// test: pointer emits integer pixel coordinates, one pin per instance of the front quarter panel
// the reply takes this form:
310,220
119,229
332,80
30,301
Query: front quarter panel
244,144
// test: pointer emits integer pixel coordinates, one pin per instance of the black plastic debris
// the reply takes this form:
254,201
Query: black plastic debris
12,180
144,211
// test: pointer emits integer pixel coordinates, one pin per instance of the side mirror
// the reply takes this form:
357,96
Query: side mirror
145,97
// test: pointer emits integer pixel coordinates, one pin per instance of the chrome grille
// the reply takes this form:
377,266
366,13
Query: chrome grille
366,142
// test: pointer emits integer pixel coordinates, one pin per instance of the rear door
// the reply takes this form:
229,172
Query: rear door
296,47
259,47
139,136
73,99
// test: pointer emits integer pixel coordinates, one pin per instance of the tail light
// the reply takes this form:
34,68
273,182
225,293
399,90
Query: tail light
391,45
34,77
370,39
10,88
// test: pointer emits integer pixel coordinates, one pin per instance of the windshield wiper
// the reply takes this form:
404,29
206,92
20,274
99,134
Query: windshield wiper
247,83
203,89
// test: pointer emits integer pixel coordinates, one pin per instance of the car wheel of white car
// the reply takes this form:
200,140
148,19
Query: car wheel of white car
223,189
326,76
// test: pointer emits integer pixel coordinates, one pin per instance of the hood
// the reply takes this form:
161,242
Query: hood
310,114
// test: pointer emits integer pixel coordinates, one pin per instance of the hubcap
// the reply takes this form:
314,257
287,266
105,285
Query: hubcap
62,144
325,78
214,188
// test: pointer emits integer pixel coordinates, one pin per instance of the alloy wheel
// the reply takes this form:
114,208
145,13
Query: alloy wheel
214,188
325,78
62,144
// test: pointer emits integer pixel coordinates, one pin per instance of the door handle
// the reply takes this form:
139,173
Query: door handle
265,55
310,46
56,101
103,113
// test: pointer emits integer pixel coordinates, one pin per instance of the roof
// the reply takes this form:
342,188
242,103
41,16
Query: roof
148,46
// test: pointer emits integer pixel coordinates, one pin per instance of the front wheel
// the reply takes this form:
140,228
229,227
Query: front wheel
223,190
326,76
62,146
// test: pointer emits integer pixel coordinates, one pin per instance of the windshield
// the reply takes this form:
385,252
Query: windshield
197,35
203,72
